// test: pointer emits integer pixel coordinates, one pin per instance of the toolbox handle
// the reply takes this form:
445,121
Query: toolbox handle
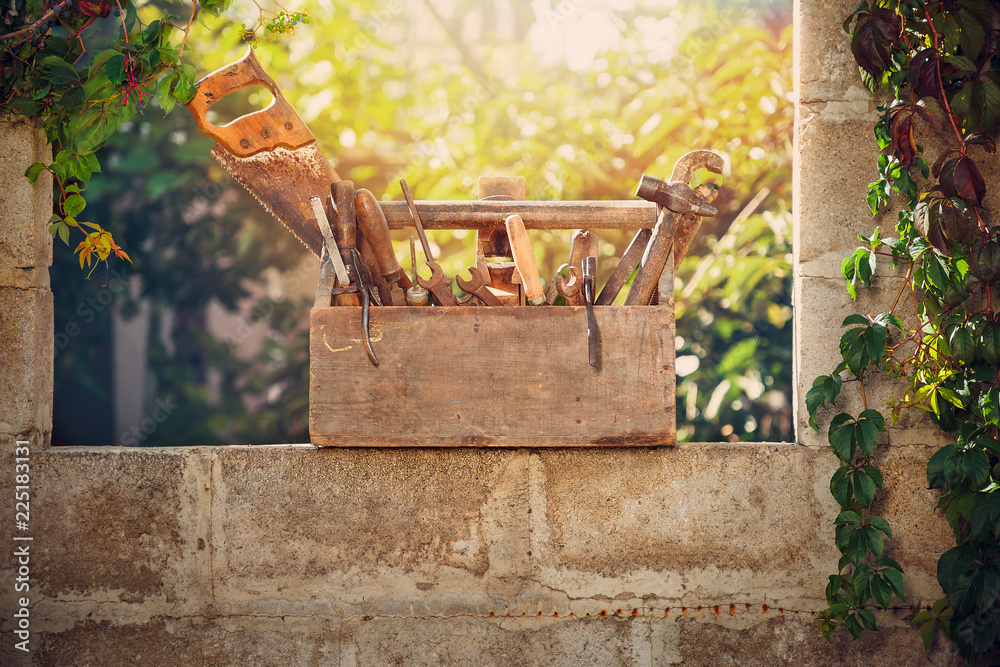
264,130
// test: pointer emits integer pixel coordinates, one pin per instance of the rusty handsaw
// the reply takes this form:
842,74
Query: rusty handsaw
270,152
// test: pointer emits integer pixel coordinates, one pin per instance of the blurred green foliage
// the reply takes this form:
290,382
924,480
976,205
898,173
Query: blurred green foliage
580,100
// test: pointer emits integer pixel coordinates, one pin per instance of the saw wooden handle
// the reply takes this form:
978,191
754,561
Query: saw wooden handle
276,125
524,258
376,230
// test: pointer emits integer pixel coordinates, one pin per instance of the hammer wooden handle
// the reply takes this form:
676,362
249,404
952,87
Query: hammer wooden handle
524,258
653,261
263,130
373,226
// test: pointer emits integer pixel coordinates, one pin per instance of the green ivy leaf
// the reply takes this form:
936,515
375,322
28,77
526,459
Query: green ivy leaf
864,488
841,487
74,205
33,171
865,435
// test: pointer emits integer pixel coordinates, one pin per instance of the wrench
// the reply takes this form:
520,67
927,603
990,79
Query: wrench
477,287
438,286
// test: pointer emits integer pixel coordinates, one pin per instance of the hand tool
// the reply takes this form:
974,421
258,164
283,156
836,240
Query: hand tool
569,289
478,288
524,258
593,335
690,223
572,289
438,286
365,288
372,225
384,289
341,202
415,295
675,198
583,244
626,265
438,283
331,257
491,239
323,224
270,152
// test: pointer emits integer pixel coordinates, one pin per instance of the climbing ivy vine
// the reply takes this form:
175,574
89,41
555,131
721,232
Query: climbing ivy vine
81,68
937,64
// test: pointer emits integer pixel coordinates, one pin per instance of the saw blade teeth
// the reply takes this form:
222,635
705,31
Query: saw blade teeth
225,160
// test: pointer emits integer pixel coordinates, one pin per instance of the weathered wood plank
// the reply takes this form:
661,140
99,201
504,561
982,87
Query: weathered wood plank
510,376
600,214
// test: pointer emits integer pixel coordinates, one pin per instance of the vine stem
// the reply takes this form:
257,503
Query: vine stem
906,281
936,36
45,18
187,28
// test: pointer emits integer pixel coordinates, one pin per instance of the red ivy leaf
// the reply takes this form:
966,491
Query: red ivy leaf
902,139
961,177
977,139
101,8
924,74
874,36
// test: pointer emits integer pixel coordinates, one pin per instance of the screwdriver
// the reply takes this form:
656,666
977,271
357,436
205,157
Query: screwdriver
416,295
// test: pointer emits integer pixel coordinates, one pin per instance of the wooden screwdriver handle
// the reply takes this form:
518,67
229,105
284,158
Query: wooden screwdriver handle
263,130
524,258
345,229
373,225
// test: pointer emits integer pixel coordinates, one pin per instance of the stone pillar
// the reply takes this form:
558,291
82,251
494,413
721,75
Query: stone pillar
26,326
26,352
834,161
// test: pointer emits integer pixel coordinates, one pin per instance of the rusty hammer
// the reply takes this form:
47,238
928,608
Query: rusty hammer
676,199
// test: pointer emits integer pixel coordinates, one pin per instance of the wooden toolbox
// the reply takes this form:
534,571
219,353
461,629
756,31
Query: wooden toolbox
495,376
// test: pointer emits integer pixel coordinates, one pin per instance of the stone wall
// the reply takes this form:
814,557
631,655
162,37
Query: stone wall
702,554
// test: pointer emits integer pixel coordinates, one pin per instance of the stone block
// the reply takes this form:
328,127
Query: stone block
784,640
826,69
26,362
821,306
113,526
169,642
24,208
920,535
471,641
836,161
427,515
704,523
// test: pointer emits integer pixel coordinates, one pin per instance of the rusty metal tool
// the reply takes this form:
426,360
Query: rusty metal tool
626,265
690,223
326,290
372,224
524,258
415,295
477,288
323,224
368,257
593,335
341,203
438,284
271,152
569,288
367,292
675,198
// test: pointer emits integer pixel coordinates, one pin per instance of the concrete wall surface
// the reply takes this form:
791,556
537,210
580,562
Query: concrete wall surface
701,554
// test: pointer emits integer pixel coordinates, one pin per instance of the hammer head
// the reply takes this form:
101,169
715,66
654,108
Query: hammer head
675,196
